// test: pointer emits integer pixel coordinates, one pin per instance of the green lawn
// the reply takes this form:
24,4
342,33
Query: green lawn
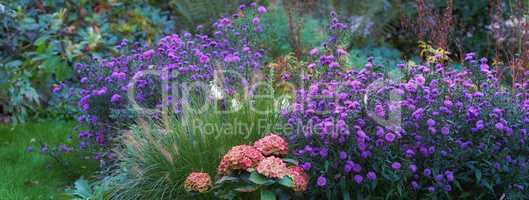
26,175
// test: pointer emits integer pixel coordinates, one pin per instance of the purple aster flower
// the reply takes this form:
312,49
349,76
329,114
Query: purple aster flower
231,58
256,21
29,149
371,176
480,125
306,166
115,98
357,167
44,149
342,155
84,134
484,68
445,131
285,76
322,181
379,111
430,122
447,188
119,75
57,88
420,80
470,56
203,58
334,65
449,176
341,52
101,91
390,137
439,178
431,189
365,154
64,148
324,152
311,66
348,167
417,115
314,52
261,10
500,126
84,80
427,172
410,153
358,179
83,145
413,168
100,138
415,185
148,54
395,165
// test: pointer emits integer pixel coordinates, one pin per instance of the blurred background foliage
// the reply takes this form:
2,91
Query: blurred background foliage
41,40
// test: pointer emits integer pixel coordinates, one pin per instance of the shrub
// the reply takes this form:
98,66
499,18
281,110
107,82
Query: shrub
156,158
42,40
171,75
432,132
246,171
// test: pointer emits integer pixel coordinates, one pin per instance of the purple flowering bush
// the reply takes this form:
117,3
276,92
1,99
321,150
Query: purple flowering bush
432,132
405,131
226,58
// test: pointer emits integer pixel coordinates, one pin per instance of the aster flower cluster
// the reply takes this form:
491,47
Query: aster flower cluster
106,103
450,125
198,182
429,128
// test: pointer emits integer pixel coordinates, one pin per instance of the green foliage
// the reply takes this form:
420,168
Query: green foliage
275,26
276,32
253,183
313,32
28,175
192,13
383,55
41,40
83,190
157,157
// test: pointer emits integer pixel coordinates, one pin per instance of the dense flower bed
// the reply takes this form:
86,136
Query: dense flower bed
107,103
434,131
407,131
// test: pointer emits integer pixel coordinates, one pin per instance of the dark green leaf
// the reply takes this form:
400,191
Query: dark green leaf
247,188
287,182
259,179
291,161
227,178
267,195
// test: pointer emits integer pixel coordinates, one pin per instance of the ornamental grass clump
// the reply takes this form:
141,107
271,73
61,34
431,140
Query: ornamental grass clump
431,132
156,157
